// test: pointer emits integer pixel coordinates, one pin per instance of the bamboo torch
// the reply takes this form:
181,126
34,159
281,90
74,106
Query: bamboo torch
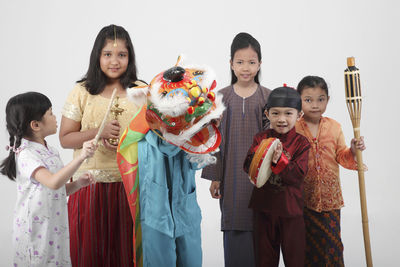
353,100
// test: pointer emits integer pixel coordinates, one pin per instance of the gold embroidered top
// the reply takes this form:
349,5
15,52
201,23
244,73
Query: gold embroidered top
89,110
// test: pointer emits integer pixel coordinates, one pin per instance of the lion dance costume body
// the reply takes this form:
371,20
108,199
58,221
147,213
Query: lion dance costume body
170,137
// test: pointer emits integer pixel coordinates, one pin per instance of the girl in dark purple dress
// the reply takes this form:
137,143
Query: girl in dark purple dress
243,118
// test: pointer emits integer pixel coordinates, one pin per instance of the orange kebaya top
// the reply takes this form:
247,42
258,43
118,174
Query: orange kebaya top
322,191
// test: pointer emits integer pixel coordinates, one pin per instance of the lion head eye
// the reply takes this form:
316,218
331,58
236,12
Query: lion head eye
198,72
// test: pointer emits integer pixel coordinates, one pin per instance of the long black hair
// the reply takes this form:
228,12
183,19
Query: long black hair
20,111
245,40
312,82
95,80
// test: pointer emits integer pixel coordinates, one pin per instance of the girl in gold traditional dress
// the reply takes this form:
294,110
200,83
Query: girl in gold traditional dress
99,216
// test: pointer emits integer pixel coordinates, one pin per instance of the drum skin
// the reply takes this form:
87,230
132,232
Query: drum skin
260,167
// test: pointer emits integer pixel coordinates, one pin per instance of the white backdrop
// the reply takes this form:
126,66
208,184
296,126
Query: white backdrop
45,46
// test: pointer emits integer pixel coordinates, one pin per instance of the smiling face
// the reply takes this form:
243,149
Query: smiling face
114,59
245,64
282,119
314,102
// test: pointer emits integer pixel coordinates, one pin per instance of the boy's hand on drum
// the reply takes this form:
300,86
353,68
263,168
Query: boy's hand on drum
277,153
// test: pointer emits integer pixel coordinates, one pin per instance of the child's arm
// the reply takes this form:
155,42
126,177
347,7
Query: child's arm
360,145
60,178
85,180
291,171
72,137
345,156
213,172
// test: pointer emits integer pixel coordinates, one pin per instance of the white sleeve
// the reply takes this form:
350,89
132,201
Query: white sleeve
27,163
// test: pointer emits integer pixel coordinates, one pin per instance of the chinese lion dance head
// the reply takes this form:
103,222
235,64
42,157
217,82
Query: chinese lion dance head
183,107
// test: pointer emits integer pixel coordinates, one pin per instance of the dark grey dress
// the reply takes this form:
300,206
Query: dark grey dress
242,119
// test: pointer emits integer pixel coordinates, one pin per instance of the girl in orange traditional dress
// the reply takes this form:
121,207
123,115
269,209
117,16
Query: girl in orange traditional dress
322,192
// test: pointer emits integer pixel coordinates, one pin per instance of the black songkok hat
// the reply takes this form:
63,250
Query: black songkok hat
284,97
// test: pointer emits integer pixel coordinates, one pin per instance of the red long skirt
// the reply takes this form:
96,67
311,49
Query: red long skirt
101,226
